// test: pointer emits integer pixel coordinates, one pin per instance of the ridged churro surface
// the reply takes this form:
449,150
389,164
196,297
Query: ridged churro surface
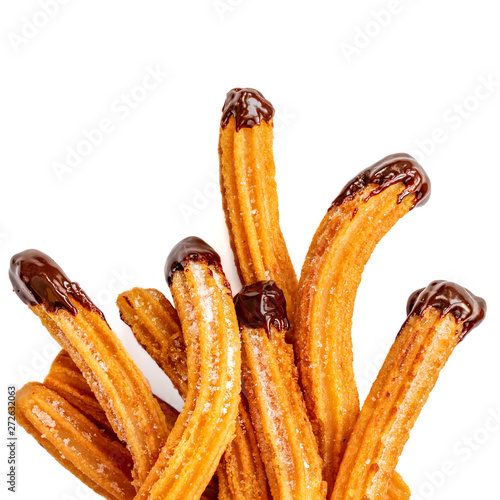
80,328
285,435
207,422
409,373
156,326
359,217
100,461
249,192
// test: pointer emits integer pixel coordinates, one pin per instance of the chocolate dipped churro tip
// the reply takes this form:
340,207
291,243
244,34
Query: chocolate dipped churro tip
190,248
38,280
467,308
261,305
248,107
392,169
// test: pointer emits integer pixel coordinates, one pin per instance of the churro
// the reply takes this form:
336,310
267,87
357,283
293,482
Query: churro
285,435
81,329
98,460
67,380
249,193
439,318
359,217
206,424
155,325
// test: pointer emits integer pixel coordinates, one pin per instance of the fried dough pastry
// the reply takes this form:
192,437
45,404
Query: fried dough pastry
98,460
249,194
359,217
439,318
206,424
156,327
285,435
81,329
67,380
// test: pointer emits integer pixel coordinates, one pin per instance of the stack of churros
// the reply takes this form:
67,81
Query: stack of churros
271,407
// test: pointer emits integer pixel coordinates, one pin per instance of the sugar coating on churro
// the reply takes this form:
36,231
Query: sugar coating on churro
45,418
286,439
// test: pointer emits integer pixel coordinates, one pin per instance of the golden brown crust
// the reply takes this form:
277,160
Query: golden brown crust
330,277
285,436
401,389
101,462
67,380
250,202
207,422
156,326
398,489
242,461
115,379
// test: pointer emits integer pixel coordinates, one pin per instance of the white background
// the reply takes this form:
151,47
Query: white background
344,100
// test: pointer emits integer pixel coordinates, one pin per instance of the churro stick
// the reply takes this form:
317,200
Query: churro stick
81,329
439,318
249,194
101,462
156,327
207,422
67,380
285,435
358,218
242,463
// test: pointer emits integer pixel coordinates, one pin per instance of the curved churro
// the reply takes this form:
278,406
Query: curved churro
439,318
65,379
101,462
364,211
81,329
203,301
156,327
285,435
249,194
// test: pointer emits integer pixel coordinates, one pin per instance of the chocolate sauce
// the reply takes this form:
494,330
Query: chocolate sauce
261,305
450,298
190,248
38,280
248,106
387,172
